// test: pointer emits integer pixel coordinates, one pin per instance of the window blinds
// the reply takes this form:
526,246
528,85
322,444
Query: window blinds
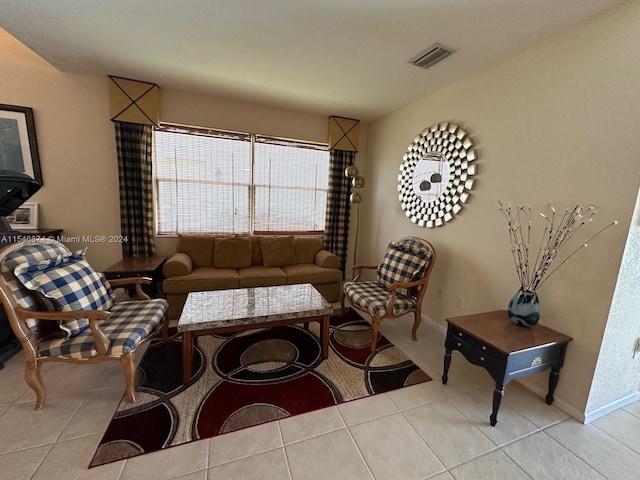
202,181
290,182
208,181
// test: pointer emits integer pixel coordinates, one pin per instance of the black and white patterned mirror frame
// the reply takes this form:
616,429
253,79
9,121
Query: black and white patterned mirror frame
453,144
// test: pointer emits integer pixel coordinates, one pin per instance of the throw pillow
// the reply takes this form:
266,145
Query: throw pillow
232,252
278,251
306,248
70,282
400,264
28,253
198,247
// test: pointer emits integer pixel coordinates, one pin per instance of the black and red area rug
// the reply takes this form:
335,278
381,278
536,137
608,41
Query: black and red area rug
246,379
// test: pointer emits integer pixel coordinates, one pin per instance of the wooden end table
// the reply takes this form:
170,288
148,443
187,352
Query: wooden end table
505,350
241,309
148,266
42,233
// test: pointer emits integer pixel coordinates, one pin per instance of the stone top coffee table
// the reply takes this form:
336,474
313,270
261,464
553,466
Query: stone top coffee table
240,309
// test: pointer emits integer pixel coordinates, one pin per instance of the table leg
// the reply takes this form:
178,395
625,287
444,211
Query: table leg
187,356
447,364
324,336
498,393
554,376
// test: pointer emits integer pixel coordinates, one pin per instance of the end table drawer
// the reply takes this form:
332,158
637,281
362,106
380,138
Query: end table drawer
472,342
476,352
534,360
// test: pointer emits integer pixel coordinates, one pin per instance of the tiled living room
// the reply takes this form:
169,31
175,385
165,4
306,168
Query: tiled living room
424,431
547,96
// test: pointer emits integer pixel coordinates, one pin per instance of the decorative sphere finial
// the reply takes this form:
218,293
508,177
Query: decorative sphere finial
351,171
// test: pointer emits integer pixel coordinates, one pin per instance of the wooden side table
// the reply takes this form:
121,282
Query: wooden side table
505,350
41,233
150,266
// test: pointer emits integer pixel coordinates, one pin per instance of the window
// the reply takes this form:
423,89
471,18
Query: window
212,181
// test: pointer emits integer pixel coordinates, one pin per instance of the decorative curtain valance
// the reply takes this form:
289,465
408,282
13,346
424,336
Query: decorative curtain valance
133,101
343,134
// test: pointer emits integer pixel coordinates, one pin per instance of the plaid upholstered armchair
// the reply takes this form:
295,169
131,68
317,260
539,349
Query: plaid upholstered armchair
399,288
60,309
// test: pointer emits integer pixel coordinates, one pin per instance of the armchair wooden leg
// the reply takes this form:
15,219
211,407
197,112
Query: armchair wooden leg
34,380
416,323
128,363
342,295
165,328
375,325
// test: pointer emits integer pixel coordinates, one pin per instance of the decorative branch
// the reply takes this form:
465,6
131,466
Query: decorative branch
554,237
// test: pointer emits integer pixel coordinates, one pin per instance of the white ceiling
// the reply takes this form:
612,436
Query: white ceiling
333,57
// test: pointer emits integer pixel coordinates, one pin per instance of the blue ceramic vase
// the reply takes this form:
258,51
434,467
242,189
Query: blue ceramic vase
524,308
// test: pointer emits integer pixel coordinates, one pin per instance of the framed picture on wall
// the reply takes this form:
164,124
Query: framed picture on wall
18,144
24,217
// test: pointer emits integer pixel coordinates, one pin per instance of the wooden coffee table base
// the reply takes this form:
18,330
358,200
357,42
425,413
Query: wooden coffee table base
241,309
189,337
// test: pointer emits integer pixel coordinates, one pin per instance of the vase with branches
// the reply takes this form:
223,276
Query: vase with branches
533,267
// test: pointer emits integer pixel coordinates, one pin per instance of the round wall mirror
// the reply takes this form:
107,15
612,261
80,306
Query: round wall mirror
435,175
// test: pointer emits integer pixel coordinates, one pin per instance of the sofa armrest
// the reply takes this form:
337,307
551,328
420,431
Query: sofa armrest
177,265
326,259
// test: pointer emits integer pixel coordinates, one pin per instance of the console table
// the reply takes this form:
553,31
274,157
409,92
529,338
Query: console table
505,350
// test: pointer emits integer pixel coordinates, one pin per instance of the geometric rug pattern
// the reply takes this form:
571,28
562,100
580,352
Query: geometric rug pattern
242,380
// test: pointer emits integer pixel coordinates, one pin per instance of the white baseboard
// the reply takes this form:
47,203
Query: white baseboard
542,391
610,407
434,324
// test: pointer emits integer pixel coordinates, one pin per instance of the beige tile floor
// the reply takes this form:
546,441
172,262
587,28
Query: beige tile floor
428,431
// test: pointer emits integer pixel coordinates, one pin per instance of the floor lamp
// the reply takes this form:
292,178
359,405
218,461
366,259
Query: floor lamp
357,182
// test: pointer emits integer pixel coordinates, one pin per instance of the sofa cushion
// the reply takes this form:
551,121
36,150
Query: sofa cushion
311,273
278,251
198,247
179,264
306,248
373,297
124,334
203,278
73,285
260,276
232,252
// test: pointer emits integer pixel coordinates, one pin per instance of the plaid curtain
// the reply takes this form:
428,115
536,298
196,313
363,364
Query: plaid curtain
134,145
336,226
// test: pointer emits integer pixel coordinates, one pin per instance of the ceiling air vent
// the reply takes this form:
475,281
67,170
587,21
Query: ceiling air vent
430,56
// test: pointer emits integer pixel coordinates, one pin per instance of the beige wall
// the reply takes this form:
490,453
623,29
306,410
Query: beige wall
77,146
191,109
558,123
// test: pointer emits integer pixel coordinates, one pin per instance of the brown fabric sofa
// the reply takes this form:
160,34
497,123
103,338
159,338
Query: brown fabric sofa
220,262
